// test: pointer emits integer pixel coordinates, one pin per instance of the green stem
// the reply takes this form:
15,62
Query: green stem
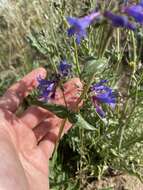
134,47
54,66
121,137
59,137
140,48
106,39
62,125
100,38
86,88
81,134
76,58
124,112
121,119
119,61
118,44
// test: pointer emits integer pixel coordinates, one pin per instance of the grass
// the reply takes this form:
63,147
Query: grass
33,34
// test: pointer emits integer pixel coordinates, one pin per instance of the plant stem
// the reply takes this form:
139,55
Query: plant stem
76,58
86,88
121,118
134,59
62,124
134,47
107,39
118,44
59,136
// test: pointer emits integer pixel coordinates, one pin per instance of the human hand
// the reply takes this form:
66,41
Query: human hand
27,141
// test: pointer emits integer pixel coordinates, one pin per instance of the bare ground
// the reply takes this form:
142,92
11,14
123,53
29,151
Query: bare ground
122,182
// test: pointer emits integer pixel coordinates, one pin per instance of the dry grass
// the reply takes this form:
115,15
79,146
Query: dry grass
17,19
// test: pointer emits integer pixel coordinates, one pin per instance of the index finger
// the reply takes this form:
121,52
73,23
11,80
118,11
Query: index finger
15,94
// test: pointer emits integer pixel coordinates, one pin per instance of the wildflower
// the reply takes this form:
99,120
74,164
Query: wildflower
135,11
99,109
79,25
46,89
119,20
102,94
64,68
141,3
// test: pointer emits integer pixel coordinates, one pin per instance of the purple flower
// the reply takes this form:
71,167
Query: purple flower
135,11
64,68
99,109
102,94
141,3
119,20
46,89
79,25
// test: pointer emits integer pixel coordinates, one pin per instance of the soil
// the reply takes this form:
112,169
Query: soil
122,182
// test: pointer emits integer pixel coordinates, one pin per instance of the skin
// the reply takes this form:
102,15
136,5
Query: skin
27,141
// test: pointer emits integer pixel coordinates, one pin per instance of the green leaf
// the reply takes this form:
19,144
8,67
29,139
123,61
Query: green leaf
93,65
58,110
35,44
83,124
63,112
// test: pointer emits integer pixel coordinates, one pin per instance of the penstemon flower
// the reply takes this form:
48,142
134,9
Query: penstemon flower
64,68
47,88
119,20
135,11
102,94
79,25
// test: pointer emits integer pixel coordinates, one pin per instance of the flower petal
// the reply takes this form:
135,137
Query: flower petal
71,31
72,20
100,111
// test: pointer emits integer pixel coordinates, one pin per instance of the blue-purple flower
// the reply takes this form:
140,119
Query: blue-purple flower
102,94
46,89
119,20
79,25
141,3
64,68
135,11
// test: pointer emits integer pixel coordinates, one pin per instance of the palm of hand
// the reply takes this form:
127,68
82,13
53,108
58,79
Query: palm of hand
34,133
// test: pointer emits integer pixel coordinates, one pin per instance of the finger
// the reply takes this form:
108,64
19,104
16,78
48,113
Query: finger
48,143
72,91
48,125
34,115
15,94
37,114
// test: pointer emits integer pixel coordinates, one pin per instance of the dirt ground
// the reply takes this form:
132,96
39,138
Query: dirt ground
122,182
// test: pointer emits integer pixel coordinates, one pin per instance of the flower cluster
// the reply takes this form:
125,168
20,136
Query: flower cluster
78,26
102,94
64,68
119,20
135,11
47,88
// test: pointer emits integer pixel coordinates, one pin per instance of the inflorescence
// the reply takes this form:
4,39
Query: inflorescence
127,18
123,19
47,88
102,94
